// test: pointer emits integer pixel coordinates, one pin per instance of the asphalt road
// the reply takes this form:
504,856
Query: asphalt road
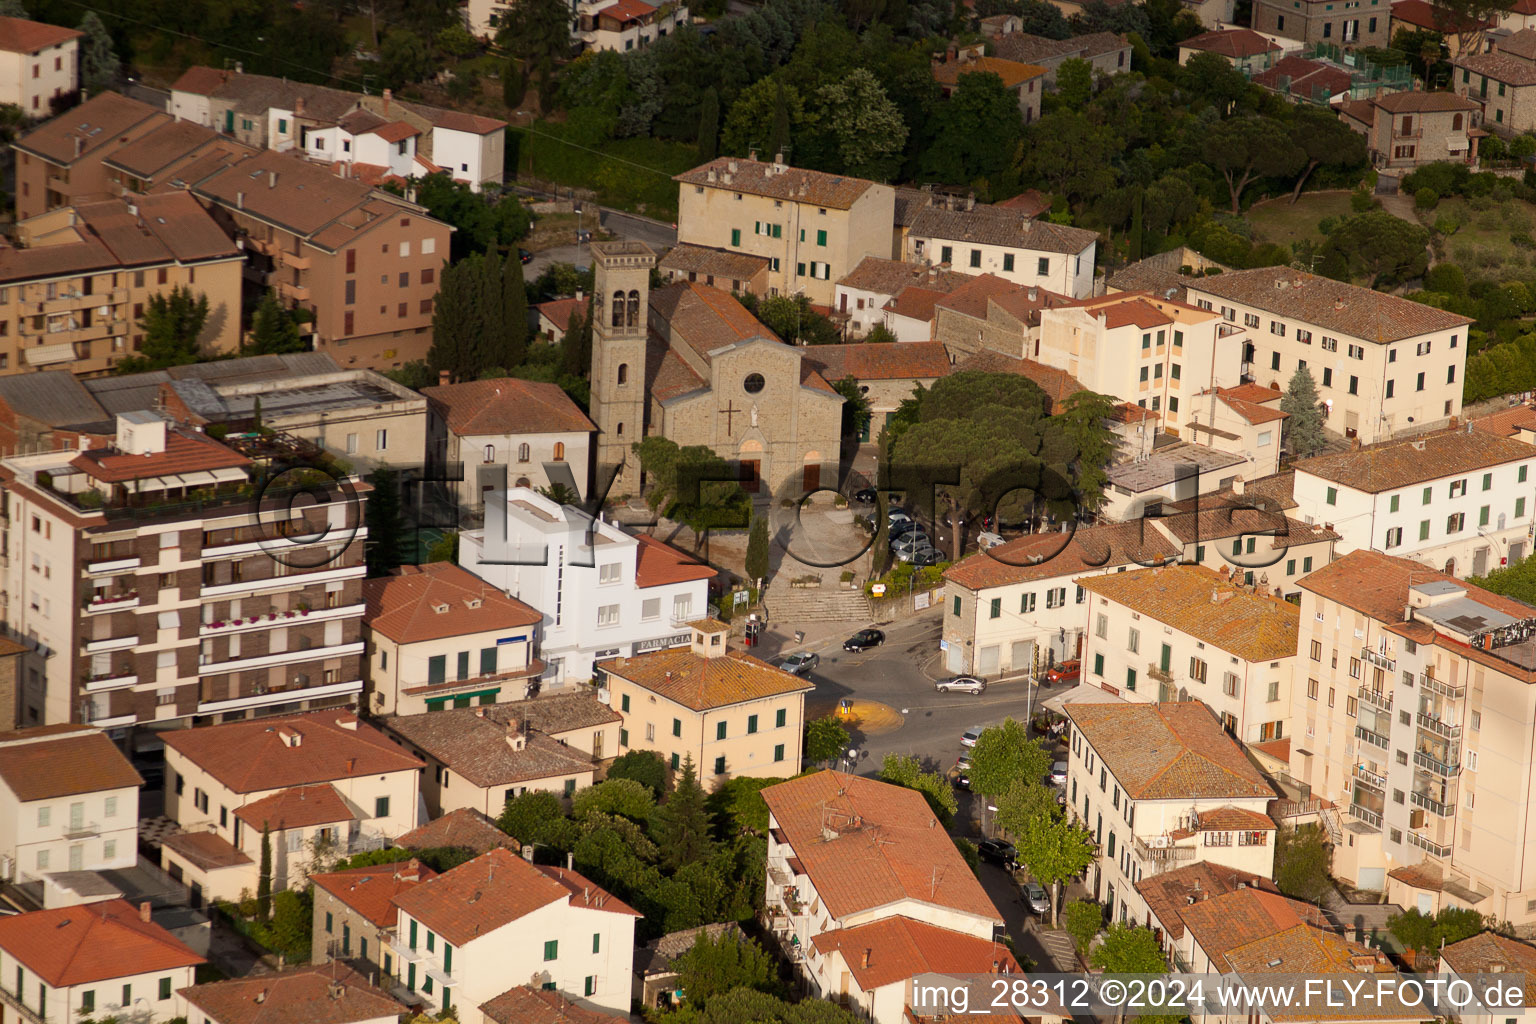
628,226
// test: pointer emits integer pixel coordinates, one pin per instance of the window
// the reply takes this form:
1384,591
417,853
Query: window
997,608
1394,537
608,615
1098,664
751,724
947,254
778,751
87,999
1482,516
956,606
1519,508
381,807
975,257
736,236
609,573
1133,641
1392,386
1101,627
719,730
165,988
1520,474
1230,684
720,765
1455,522
1354,385
1332,497
1274,360
1007,262
551,949
381,440
1026,603
677,727
1197,670
1130,679
1043,266
821,237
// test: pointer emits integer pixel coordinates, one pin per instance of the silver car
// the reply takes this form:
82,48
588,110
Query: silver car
961,684
1038,899
800,664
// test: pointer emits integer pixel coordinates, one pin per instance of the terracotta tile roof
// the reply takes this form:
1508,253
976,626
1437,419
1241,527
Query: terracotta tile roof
971,297
293,750
900,948
97,942
1042,556
1405,462
888,846
527,1005
627,10
720,263
1310,950
1233,43
200,80
658,564
495,889
1274,529
1231,819
1377,584
100,120
918,360
1499,67
672,377
465,827
1252,411
558,311
297,807
1224,923
1330,305
1426,15
1520,44
1492,953
1025,47
1276,488
456,120
185,452
1031,202
754,177
1168,894
290,192
439,600
1013,73
915,303
394,131
477,744
1509,422
1168,751
889,277
304,995
1424,875
1279,749
1415,101
701,683
1207,606
996,225
705,318
207,850
18,35
506,405
58,761
1132,312
371,890
1301,77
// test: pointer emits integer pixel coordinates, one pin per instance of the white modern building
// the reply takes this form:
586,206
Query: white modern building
39,63
603,593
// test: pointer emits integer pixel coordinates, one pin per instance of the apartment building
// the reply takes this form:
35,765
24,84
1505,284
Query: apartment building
1198,636
461,937
1245,420
813,228
1410,129
1005,243
864,295
110,959
531,428
627,25
324,784
69,801
1459,500
60,162
866,891
1382,364
74,293
354,915
39,65
1154,352
1416,716
603,593
1486,953
365,263
481,757
729,712
1365,23
1502,82
187,587
334,994
1161,786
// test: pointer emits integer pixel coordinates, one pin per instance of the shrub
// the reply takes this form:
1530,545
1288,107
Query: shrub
1426,199
1360,201
1446,278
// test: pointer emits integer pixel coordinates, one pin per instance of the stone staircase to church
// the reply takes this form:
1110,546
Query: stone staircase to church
791,606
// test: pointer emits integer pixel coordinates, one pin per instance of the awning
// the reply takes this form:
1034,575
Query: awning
1082,693
43,355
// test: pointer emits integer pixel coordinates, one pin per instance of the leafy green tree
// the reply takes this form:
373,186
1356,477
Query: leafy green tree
528,816
1074,83
99,65
1055,849
293,913
738,806
682,823
1325,140
1212,78
264,878
968,851
907,772
13,9
1244,149
709,125
1087,446
865,128
646,767
1073,156
560,494
624,797
1023,804
1304,422
757,112
757,549
514,83
825,740
1446,278
692,485
445,548
1471,20
741,1005
1132,949
880,335
536,31
1415,930
1303,861
976,132
171,323
1005,753
1082,920
273,329
728,960
792,319
1376,245
856,407
386,522
404,58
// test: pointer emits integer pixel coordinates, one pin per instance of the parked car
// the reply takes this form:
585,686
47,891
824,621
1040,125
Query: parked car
963,781
524,255
800,664
1037,898
970,736
1058,776
902,527
866,496
961,684
911,541
1063,672
863,640
987,539
896,515
963,764
998,851
919,557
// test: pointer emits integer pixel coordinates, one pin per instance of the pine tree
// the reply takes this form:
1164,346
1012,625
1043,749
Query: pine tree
514,312
99,65
757,549
171,323
682,823
273,329
1304,425
264,880
709,125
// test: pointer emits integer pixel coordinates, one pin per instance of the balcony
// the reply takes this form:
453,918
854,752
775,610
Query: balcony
286,696
1370,778
292,259
1378,659
1433,806
272,619
1366,815
293,292
112,603
1439,727
112,721
1429,846
110,681
1432,685
81,830
10,999
269,542
294,581
1432,764
116,643
1410,133
112,565
1376,698
1375,739
301,654
1157,854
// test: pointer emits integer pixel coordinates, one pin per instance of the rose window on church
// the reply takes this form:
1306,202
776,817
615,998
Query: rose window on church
753,384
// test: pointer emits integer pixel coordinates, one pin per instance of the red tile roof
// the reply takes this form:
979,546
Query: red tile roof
527,1005
558,311
207,850
887,847
1012,72
1232,43
394,131
1492,953
658,564
1253,403
1137,312
465,827
297,807
1428,16
330,993
1031,202
701,683
915,303
506,405
200,80
1305,77
898,948
1377,585
1039,556
295,750
58,761
1168,893
1169,751
1409,461
437,601
495,889
971,297
920,360
96,942
795,184
185,452
18,35
627,10
1509,422
371,890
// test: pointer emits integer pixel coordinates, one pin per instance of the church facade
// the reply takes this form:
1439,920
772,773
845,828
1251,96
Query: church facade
688,362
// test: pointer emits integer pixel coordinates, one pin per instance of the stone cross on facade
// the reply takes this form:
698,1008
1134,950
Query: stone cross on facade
730,411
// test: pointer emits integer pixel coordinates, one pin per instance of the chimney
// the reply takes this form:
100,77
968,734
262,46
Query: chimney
579,295
516,738
144,912
442,377
271,179
298,107
79,145
239,200
239,68
388,95
951,53
752,155
867,953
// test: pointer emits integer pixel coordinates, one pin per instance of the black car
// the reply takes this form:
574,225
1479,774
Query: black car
865,497
904,527
863,640
524,255
998,851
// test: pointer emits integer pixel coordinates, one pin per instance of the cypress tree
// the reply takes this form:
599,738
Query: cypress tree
780,137
709,124
757,549
264,880
450,321
514,312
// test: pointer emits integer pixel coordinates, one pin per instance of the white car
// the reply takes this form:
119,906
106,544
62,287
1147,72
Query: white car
988,539
1058,776
970,736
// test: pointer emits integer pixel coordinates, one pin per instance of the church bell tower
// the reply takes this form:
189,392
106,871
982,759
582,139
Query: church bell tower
620,300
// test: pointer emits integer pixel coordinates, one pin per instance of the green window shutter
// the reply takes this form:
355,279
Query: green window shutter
1098,664
1519,507
1333,496
676,762
719,730
1482,516
1424,529
821,238
957,606
779,718
597,942
1392,504
751,724
997,607
778,751
551,949
1290,567
1306,564
623,737
624,702
677,727
437,668
735,236
1130,679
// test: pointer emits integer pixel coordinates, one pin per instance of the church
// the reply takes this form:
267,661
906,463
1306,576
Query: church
688,362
